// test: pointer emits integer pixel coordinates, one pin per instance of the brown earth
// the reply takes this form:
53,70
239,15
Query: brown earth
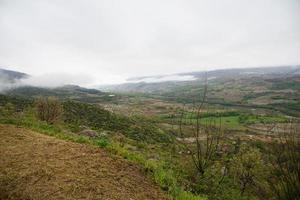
36,166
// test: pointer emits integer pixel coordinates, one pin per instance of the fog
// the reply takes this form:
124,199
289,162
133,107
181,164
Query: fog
105,42
163,78
6,83
48,80
55,80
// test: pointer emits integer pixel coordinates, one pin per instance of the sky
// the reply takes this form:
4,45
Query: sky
93,42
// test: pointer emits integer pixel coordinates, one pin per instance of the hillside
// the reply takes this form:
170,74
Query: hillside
244,115
12,75
71,92
10,84
32,166
9,79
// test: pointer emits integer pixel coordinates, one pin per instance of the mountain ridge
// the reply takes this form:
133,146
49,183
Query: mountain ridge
140,84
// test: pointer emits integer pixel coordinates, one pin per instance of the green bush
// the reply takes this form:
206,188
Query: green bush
102,142
82,139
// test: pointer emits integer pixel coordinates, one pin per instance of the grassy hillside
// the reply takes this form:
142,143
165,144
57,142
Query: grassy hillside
80,172
135,139
81,114
71,92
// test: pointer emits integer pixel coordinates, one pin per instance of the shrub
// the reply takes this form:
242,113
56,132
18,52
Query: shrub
165,179
48,109
248,168
102,142
82,139
7,110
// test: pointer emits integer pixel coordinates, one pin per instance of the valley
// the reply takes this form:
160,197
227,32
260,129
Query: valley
182,135
149,100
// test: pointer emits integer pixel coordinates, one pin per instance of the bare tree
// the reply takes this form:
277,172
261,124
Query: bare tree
207,135
48,109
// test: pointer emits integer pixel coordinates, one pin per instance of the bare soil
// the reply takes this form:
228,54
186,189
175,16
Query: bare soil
36,166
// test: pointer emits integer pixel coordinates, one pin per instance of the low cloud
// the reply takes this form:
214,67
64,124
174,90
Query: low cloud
58,79
7,83
164,78
50,80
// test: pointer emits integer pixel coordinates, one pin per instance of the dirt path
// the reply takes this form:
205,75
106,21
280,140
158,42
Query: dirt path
35,166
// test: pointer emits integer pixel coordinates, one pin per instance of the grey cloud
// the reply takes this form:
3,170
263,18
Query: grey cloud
57,79
116,39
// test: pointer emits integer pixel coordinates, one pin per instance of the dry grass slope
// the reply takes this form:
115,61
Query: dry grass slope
35,166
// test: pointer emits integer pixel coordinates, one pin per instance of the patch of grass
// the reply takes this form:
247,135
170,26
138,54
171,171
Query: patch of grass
165,179
102,142
183,195
231,120
265,119
82,140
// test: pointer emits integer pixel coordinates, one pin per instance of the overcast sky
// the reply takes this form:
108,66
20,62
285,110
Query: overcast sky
107,41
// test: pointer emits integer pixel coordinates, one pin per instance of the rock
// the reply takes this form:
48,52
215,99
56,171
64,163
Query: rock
103,134
88,132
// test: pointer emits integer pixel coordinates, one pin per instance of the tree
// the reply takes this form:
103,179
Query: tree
49,109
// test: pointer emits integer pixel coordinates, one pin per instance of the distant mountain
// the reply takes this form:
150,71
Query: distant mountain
12,76
68,92
10,79
165,83
248,72
10,84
